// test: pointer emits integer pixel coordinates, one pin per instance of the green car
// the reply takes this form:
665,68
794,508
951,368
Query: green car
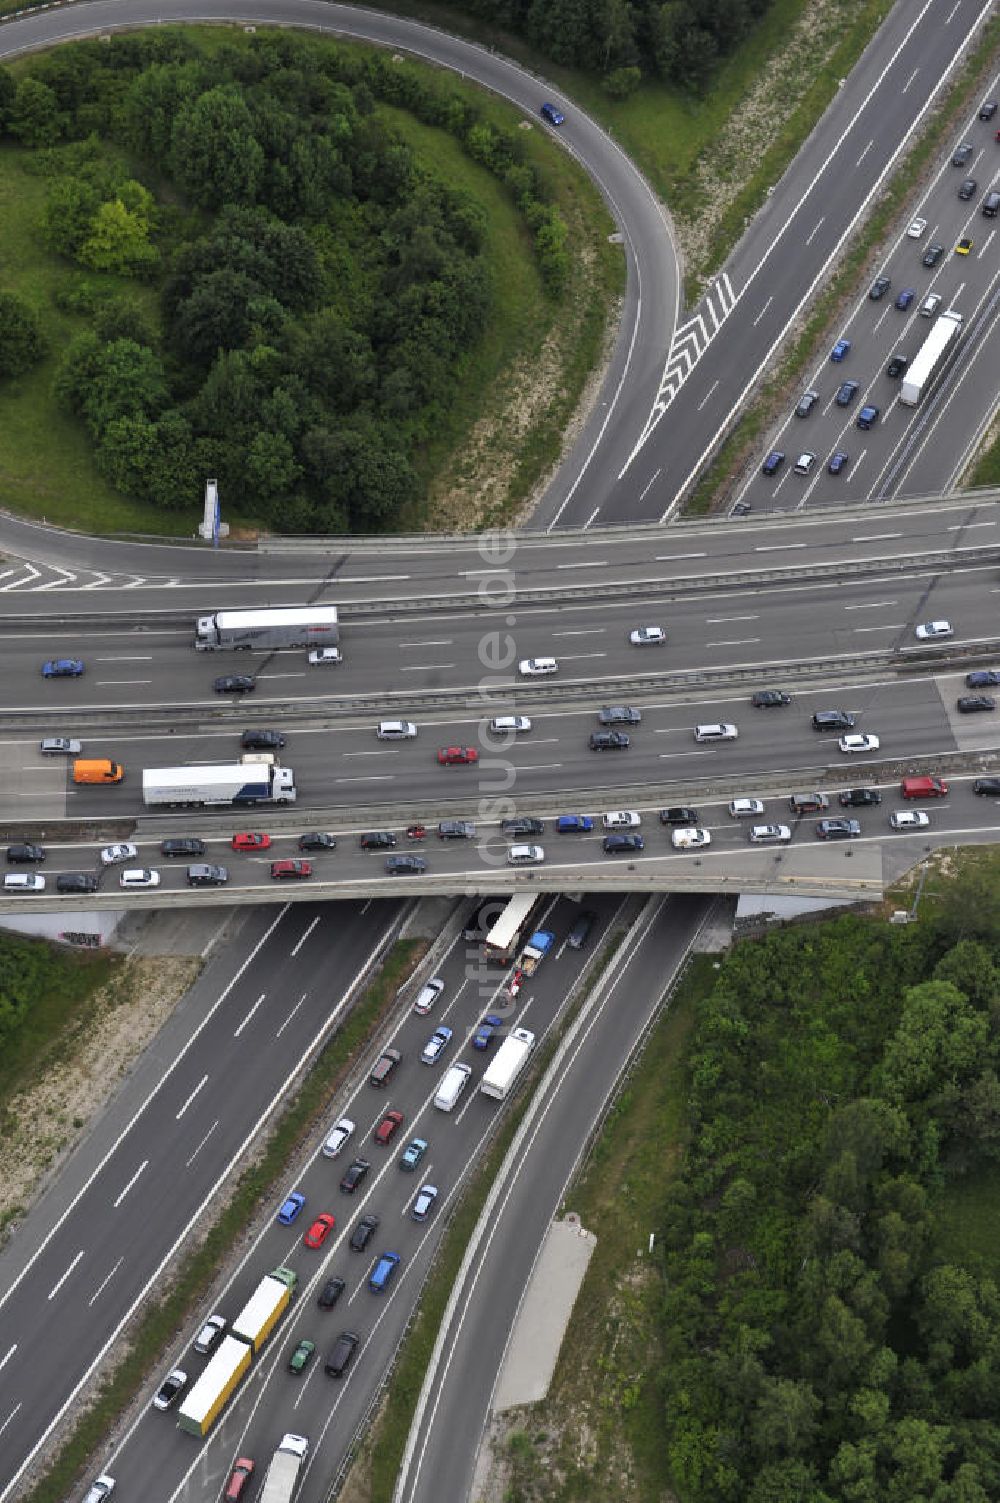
413,1153
299,1359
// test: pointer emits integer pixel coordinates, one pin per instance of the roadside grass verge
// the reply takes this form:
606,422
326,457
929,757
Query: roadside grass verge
69,980
162,1321
824,314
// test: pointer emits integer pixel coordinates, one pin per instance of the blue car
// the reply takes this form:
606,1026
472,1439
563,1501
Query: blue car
551,114
574,824
838,462
905,298
291,1208
384,1270
840,349
868,416
487,1028
773,462
846,392
413,1153
62,668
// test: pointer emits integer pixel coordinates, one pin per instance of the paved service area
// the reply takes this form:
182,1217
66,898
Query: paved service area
541,1322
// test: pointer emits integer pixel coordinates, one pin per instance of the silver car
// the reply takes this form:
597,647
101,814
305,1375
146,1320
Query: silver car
61,746
113,854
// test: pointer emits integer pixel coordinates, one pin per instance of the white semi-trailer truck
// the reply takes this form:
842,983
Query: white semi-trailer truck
272,626
235,784
929,360
283,1474
508,1062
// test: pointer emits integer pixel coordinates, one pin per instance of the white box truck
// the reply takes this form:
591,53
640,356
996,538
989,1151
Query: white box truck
232,784
263,630
453,1083
508,1062
283,1474
930,358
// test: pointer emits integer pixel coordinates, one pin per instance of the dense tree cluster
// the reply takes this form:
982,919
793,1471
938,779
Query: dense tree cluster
819,1348
680,41
318,290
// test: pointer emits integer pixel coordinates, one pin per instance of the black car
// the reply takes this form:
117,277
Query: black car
522,825
859,798
932,254
679,814
340,1358
353,1175
609,741
363,1232
76,882
619,715
833,720
182,845
987,109
772,464
578,935
19,855
967,188
838,829
262,740
983,678
879,288
766,699
377,840
234,683
203,874
316,841
622,845
897,367
806,403
330,1293
405,866
969,704
962,155
456,829
988,786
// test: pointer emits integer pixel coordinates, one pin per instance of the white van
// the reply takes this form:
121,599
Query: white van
621,819
454,1083
525,855
395,730
24,882
519,724
721,731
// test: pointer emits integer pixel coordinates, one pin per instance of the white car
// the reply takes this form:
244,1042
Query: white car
209,1334
909,819
621,819
930,305
537,667
339,1134
395,730
690,838
428,995
525,855
112,854
770,834
100,1489
647,636
917,228
173,1384
930,631
519,724
435,1045
320,657
742,808
718,731
805,462
859,743
61,746
139,876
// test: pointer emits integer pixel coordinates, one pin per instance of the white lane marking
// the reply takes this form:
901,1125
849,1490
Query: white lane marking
736,642
239,1029
537,766
968,526
889,626
200,1086
582,631
59,1284
592,517
104,1283
909,80
760,315
10,1416
431,642
147,657
385,777
704,401
588,563
718,620
201,1145
116,683
424,667
675,558
7,1356
292,1013
298,946
650,483
876,537
370,578
815,229
576,657
671,756
389,751
122,1194
775,547
871,605
864,153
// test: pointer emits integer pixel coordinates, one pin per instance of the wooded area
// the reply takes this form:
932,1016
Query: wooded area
317,292
819,1348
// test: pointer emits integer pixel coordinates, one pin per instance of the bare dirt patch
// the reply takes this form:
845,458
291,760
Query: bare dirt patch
45,1120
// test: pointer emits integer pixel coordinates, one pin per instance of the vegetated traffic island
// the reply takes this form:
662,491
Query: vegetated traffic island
346,285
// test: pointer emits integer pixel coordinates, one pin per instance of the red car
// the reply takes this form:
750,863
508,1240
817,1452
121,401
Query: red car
247,841
455,756
319,1231
238,1479
387,1127
294,870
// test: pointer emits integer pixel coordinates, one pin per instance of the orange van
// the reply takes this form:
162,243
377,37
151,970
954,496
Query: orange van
97,770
